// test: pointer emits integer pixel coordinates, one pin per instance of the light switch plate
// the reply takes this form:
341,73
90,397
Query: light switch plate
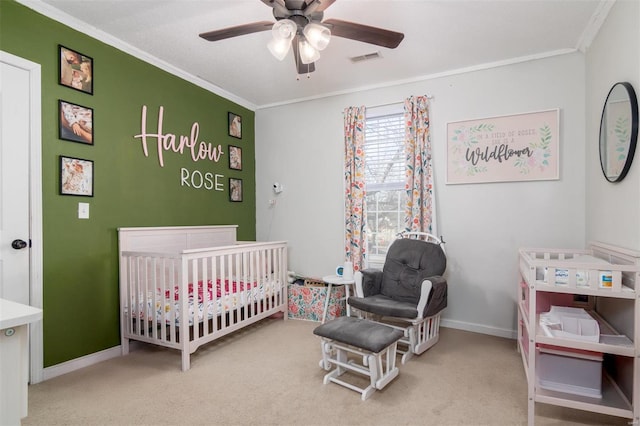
83,210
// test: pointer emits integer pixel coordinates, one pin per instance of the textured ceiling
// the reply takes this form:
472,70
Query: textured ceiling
440,37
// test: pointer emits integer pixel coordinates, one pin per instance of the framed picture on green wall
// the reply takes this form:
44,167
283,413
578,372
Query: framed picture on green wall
76,176
235,189
76,122
235,157
235,125
76,70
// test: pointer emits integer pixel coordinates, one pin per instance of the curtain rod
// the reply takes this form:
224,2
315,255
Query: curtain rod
430,97
395,103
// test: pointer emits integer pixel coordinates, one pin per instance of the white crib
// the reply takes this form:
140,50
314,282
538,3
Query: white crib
182,287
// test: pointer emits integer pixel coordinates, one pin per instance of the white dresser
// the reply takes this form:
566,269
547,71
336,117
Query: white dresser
14,359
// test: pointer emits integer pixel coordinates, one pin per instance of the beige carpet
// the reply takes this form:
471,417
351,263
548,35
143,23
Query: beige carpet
268,374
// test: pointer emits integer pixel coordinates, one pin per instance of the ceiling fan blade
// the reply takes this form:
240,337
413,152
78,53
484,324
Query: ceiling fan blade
302,68
306,68
318,6
237,31
322,5
365,33
271,2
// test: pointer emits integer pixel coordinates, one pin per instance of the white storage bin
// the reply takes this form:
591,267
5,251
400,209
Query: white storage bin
570,323
571,371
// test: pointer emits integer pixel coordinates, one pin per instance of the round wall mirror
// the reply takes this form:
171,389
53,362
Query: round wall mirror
618,131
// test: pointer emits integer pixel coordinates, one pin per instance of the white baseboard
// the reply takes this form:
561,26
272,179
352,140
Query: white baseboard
478,328
78,363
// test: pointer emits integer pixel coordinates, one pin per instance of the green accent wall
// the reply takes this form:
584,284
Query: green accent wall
81,304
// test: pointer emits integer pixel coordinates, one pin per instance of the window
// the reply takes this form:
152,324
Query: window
385,180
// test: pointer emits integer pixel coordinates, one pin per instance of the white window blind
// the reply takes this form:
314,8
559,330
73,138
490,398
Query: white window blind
384,151
385,180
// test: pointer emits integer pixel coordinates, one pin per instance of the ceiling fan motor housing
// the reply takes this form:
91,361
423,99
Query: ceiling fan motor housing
298,16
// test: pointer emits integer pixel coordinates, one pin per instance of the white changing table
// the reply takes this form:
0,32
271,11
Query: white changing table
14,359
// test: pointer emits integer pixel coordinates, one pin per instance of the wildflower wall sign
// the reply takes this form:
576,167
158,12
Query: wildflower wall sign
516,147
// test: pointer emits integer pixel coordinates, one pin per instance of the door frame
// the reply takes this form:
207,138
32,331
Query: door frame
36,358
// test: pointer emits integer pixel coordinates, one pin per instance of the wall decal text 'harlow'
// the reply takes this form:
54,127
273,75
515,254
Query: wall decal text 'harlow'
169,142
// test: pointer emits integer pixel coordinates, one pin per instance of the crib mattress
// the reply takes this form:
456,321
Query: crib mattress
228,297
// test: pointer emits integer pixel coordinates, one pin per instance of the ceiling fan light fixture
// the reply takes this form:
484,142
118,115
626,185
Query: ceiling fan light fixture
317,35
308,53
279,48
283,32
284,29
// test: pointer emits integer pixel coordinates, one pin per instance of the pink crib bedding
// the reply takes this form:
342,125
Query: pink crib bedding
220,291
228,296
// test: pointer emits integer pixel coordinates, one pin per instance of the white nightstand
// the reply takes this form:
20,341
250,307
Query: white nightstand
336,280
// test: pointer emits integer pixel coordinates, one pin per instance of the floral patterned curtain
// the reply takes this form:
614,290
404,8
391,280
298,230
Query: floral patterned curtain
354,184
419,212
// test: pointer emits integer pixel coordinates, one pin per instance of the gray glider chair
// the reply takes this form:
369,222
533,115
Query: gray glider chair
409,293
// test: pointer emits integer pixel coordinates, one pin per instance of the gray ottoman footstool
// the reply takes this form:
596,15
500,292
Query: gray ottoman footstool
375,343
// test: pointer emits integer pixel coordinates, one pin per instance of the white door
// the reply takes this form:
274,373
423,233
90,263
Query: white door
14,175
21,192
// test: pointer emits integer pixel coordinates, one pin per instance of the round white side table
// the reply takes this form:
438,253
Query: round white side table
336,280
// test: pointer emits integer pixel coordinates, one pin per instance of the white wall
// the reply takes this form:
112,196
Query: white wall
301,146
613,209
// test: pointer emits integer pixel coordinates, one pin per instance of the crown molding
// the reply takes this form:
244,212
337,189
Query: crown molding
594,25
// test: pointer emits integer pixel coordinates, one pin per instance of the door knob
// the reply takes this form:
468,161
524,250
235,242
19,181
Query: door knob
18,244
